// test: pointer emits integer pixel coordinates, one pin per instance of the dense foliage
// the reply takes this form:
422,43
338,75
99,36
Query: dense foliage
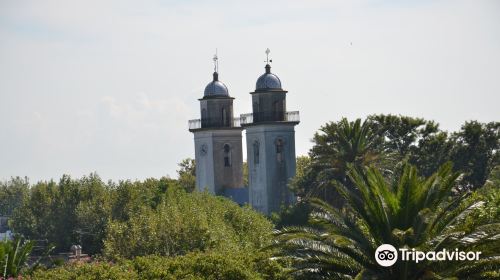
387,140
185,222
409,212
79,210
195,266
14,255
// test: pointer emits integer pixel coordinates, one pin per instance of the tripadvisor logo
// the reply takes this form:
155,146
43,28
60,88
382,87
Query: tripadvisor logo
387,255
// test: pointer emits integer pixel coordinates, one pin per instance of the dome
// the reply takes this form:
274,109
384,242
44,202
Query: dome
268,81
216,88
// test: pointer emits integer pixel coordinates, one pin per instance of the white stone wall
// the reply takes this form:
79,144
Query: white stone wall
204,161
268,179
211,174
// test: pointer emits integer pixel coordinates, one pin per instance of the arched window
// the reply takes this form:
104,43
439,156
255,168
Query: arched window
256,155
204,119
279,150
255,111
227,155
278,110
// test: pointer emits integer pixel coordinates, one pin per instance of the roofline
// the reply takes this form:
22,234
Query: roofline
269,91
217,128
215,97
271,122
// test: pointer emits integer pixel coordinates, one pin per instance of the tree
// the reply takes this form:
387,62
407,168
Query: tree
65,213
92,218
12,194
401,133
296,184
475,152
185,222
337,146
410,212
33,218
387,141
187,174
416,140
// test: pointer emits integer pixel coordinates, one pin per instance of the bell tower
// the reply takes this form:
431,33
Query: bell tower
217,139
270,137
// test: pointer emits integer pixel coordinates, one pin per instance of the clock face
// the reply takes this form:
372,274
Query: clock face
204,149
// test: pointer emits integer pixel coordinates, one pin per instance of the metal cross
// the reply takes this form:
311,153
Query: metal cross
267,55
216,61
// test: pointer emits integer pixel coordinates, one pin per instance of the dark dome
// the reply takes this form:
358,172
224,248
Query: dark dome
268,81
216,88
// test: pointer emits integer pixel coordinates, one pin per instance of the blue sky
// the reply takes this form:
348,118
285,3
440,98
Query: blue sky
108,86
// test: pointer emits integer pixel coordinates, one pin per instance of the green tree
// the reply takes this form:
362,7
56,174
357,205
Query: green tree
185,222
475,152
187,174
410,212
65,213
129,197
296,184
416,140
93,214
402,133
34,217
12,194
336,146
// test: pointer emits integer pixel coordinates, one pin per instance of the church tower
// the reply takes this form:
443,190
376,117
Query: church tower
270,137
217,140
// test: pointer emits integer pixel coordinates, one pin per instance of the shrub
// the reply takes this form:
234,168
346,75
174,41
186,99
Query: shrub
92,271
193,266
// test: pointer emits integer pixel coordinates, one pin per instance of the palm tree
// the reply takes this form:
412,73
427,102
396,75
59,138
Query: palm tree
411,212
337,146
13,256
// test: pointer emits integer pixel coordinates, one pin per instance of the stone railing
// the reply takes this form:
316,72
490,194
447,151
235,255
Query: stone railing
292,116
209,123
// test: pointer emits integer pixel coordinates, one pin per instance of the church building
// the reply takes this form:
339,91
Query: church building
270,139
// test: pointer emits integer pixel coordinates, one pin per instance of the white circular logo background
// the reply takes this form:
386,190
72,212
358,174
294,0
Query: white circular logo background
386,255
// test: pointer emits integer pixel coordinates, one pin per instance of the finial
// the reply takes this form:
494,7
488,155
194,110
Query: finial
267,55
216,61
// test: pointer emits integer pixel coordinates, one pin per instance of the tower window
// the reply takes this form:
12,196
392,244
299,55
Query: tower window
227,155
204,118
278,110
279,150
224,117
256,155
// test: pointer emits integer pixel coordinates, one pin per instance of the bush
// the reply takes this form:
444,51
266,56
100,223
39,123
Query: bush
193,266
92,271
214,266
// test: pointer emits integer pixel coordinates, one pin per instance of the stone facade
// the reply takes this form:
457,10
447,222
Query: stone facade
219,159
271,164
270,138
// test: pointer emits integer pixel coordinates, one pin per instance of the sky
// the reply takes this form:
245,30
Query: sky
109,86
